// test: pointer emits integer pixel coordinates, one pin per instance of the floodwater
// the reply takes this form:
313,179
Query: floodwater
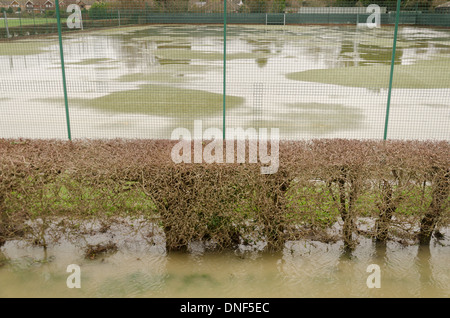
303,269
143,82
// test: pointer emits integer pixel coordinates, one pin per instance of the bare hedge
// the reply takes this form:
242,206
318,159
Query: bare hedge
403,186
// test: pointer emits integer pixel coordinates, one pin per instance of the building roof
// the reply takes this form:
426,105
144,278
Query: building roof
41,2
88,2
21,2
444,5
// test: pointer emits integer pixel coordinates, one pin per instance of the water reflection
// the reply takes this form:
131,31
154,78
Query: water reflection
340,47
303,269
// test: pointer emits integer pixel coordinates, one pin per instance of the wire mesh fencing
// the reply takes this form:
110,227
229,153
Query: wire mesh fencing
142,69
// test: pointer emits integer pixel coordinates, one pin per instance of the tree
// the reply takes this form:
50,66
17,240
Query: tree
176,5
256,6
391,5
278,6
99,10
131,4
418,5
10,10
345,3
50,13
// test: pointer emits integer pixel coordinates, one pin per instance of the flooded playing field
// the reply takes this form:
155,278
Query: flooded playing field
308,81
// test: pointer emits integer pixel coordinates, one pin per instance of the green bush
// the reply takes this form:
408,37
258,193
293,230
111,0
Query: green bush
50,13
98,11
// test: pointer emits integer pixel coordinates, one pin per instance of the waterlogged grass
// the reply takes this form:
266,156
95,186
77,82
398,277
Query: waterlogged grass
170,73
12,48
190,68
163,101
123,30
316,118
429,74
89,200
28,21
92,61
386,42
158,100
154,77
183,54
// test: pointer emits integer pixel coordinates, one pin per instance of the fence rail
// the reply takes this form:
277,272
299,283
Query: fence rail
40,24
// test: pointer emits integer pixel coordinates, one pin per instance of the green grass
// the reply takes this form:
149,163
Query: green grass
162,101
170,73
422,75
16,22
183,54
313,204
67,196
24,47
315,118
161,77
154,99
93,61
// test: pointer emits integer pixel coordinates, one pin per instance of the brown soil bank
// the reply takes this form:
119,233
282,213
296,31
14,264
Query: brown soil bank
403,185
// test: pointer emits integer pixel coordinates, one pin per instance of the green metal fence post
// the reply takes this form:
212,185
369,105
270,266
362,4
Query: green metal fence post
224,64
66,100
394,47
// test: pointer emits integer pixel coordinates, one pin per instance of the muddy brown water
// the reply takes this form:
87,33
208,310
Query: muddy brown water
302,269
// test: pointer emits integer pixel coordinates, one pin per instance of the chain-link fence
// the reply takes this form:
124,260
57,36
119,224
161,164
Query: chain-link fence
141,69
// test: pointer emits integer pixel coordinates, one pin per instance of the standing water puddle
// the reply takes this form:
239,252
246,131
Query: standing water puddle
308,81
303,269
